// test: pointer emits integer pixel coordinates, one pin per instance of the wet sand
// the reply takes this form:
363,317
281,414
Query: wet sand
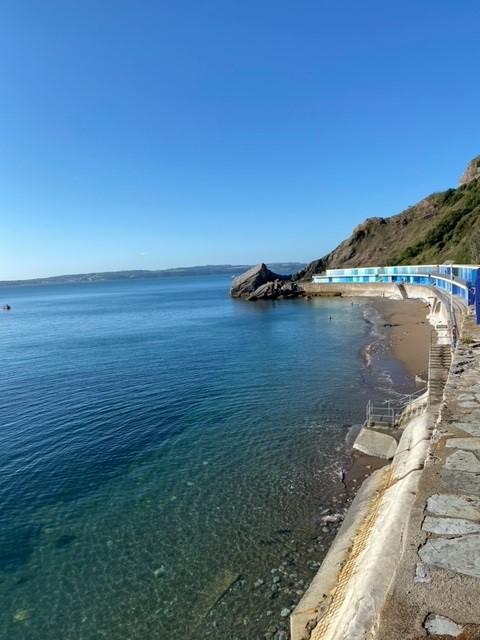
407,331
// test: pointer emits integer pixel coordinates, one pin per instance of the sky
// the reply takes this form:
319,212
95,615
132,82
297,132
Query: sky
157,134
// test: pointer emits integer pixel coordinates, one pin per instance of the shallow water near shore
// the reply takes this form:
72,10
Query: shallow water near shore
166,454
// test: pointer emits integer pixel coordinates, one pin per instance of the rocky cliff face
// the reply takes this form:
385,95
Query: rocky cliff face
472,172
443,226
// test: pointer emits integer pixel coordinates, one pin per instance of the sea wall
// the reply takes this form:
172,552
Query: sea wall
389,290
346,596
443,310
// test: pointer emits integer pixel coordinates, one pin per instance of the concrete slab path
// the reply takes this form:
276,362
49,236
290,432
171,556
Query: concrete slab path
436,589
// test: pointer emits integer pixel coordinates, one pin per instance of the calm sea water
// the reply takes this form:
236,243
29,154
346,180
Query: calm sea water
163,449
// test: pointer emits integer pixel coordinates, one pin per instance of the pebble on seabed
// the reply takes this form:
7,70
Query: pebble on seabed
22,615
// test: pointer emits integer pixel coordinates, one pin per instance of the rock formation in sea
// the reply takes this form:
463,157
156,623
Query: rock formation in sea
259,283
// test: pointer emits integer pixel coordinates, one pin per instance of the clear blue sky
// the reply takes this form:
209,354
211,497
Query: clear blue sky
150,134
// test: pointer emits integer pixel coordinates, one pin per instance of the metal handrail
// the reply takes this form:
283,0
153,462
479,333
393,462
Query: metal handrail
390,411
404,400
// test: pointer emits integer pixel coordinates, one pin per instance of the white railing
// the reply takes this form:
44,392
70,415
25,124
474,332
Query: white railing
390,411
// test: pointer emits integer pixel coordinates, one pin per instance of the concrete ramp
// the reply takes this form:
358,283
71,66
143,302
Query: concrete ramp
374,443
402,291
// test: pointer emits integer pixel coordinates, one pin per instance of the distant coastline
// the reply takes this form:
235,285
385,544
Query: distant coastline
134,274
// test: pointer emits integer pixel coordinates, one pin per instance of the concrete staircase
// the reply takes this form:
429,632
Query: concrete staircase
439,366
402,291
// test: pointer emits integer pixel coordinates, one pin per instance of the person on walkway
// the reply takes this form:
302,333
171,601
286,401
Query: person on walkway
454,337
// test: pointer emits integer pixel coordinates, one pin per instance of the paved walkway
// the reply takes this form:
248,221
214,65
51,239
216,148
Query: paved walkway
436,591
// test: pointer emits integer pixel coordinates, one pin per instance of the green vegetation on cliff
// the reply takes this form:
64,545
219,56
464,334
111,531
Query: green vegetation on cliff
444,226
455,233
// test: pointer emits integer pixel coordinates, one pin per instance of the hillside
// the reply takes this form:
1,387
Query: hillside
443,226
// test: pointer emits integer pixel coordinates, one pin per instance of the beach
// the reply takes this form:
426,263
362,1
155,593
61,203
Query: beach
404,334
407,332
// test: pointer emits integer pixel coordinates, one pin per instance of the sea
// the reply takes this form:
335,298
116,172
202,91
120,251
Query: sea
167,454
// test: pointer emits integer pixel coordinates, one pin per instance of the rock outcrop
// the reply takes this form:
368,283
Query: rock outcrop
316,266
259,283
472,172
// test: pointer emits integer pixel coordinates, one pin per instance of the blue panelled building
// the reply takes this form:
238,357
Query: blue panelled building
461,280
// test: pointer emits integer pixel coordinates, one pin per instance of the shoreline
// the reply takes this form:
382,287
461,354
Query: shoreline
349,587
302,554
402,333
407,332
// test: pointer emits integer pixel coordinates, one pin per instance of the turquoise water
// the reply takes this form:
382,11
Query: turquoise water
163,448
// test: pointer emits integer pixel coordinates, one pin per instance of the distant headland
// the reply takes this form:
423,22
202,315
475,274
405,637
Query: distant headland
143,274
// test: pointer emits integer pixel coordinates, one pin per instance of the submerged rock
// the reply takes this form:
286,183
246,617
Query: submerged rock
440,625
332,518
22,615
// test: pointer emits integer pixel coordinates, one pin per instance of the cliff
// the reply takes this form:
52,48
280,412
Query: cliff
443,226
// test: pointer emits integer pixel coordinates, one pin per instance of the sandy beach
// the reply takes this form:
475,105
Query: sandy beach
407,334
407,331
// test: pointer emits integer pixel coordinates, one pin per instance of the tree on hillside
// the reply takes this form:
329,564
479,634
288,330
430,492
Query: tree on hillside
475,246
